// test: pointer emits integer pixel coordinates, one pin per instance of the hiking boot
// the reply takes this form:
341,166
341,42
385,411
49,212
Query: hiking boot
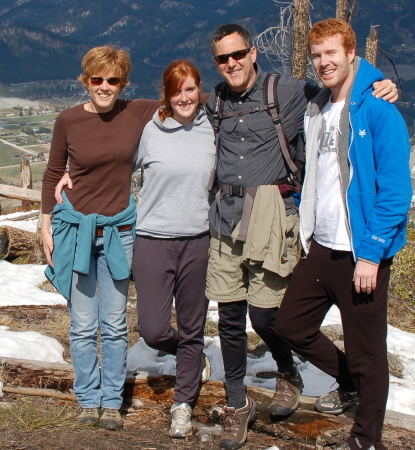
89,416
111,419
206,369
287,394
181,423
335,402
235,424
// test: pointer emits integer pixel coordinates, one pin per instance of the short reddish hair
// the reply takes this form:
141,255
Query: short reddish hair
174,76
332,27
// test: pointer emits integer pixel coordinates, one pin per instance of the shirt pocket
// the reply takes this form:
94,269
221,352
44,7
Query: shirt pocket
262,132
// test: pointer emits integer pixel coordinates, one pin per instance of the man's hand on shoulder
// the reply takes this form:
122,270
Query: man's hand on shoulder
385,89
365,277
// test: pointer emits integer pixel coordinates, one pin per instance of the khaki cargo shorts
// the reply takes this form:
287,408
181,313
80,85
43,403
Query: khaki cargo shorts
230,278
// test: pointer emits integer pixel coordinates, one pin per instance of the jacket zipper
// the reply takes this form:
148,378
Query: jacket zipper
348,186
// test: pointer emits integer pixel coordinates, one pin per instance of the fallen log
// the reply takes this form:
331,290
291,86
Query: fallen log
16,243
20,193
37,374
33,312
23,216
40,392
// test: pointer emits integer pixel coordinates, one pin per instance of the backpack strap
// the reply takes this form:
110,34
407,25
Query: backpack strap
217,117
271,102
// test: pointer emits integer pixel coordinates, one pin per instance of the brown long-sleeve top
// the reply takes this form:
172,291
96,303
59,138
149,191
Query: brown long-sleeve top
101,149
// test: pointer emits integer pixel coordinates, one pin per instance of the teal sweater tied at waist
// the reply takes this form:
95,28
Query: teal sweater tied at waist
73,237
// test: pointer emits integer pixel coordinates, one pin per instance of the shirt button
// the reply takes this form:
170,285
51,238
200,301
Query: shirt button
241,120
240,177
242,139
240,103
241,157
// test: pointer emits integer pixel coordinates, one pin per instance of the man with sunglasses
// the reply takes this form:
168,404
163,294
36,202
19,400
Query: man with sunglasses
249,155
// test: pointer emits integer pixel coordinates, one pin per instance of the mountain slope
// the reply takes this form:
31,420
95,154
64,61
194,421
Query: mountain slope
46,39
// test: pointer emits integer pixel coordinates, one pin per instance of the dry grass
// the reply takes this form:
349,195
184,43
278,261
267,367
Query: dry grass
402,286
211,329
25,415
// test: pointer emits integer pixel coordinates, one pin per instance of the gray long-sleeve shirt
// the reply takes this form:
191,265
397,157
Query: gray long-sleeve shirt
177,161
250,152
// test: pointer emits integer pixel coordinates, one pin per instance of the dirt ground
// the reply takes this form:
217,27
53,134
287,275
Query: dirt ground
47,423
147,429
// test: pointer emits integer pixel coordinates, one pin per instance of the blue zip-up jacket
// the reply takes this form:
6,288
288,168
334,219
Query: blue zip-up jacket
373,158
73,236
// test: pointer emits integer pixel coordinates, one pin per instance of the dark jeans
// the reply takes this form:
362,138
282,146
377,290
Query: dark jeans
325,278
233,338
163,269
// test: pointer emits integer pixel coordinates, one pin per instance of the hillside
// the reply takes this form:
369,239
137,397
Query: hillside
45,39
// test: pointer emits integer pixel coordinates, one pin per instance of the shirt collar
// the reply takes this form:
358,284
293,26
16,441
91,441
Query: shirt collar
259,80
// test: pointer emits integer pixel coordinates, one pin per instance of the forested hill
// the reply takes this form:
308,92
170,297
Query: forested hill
46,39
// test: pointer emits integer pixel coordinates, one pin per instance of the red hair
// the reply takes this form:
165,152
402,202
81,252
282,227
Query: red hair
174,76
332,27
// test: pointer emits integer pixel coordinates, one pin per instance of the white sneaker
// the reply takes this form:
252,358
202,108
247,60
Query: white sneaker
206,369
181,423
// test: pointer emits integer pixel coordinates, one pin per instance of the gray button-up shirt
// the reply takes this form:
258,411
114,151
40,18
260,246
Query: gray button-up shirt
249,150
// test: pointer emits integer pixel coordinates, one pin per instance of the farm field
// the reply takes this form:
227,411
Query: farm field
11,175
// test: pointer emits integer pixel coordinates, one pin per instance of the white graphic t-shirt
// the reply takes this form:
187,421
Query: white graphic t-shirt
331,229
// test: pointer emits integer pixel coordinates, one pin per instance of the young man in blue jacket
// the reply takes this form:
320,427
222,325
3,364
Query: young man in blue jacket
353,214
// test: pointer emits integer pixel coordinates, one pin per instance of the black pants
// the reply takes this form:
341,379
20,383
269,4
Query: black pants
318,282
233,338
163,269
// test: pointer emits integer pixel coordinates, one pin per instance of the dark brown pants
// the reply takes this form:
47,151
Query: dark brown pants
163,269
325,278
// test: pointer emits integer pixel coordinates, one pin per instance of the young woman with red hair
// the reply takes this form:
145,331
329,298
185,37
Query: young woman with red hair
176,153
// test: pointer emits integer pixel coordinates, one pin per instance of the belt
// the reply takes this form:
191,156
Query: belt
248,194
100,230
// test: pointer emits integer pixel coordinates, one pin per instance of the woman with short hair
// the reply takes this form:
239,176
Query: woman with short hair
90,250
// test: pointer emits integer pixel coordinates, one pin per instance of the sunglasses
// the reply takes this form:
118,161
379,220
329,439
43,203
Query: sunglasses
97,81
236,55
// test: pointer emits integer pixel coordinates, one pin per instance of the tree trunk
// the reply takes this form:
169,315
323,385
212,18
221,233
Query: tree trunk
38,255
299,39
372,46
341,9
26,180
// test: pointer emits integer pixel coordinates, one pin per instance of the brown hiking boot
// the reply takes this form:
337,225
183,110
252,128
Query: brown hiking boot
287,394
235,424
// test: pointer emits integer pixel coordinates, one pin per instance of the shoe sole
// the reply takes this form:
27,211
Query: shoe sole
281,411
111,426
335,411
90,423
181,435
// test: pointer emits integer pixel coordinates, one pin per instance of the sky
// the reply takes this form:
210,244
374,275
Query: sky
19,285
